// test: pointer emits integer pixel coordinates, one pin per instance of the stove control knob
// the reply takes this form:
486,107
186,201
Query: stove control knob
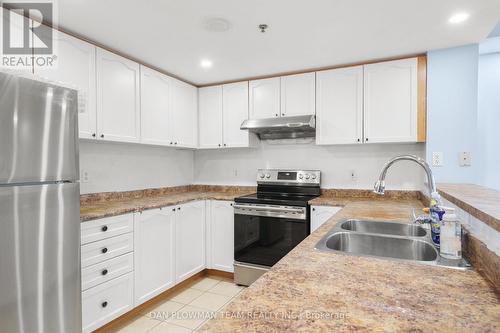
307,176
268,176
261,175
313,176
301,176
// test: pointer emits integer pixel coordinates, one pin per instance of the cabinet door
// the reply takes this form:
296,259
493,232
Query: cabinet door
75,67
107,301
118,109
190,239
321,214
339,113
264,98
184,121
390,101
235,111
210,114
298,94
155,107
153,253
222,235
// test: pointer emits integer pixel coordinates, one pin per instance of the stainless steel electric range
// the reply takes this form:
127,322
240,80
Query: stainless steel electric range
270,223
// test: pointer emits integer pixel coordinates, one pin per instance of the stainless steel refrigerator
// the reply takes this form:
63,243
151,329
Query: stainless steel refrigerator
39,207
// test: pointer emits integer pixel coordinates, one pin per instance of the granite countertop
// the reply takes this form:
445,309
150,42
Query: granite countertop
479,201
100,208
359,293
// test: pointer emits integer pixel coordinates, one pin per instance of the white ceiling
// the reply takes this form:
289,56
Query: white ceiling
170,34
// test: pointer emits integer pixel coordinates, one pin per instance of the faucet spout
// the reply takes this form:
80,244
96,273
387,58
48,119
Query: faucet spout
379,187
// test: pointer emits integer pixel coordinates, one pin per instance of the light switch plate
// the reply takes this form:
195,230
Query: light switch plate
437,159
464,159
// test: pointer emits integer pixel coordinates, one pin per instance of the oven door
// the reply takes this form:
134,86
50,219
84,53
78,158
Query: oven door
263,234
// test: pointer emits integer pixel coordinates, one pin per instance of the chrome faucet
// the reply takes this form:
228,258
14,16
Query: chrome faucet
379,187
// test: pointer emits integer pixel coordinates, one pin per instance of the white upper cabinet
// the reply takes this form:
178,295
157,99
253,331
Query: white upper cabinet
210,115
298,95
222,109
168,110
390,101
285,96
222,235
184,116
154,246
156,104
264,98
118,96
235,111
75,67
190,239
339,113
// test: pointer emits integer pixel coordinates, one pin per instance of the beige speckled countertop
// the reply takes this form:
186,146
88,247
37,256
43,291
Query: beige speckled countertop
134,201
360,293
479,201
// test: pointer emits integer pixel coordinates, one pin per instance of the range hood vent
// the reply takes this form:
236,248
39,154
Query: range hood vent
282,127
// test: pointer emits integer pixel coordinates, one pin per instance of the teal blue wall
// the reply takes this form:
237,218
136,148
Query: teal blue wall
452,91
489,113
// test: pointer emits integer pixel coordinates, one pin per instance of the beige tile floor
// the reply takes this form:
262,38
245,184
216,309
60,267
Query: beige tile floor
192,306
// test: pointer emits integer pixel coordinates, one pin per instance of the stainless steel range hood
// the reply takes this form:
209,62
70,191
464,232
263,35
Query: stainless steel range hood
282,128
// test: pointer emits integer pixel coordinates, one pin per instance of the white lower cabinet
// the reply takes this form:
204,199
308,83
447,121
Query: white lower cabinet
131,258
189,239
321,214
220,235
107,270
107,262
107,301
154,247
107,227
96,252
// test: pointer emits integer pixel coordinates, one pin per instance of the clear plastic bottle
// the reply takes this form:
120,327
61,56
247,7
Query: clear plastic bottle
451,236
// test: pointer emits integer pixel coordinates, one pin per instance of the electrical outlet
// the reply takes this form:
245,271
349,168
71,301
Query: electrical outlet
85,178
354,176
437,159
464,159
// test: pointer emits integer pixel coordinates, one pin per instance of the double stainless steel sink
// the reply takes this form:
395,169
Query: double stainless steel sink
384,239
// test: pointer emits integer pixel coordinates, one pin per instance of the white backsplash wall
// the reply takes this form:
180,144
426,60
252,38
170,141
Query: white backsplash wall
125,167
239,166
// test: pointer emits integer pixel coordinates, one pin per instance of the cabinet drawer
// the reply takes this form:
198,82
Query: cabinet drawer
106,302
105,249
107,227
107,270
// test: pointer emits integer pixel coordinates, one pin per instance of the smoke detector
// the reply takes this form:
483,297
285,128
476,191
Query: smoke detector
216,24
263,27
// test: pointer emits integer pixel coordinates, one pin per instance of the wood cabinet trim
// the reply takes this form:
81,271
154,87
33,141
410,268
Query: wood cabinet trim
422,98
316,69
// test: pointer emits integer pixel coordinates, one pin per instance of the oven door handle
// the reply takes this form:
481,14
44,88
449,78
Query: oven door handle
270,209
